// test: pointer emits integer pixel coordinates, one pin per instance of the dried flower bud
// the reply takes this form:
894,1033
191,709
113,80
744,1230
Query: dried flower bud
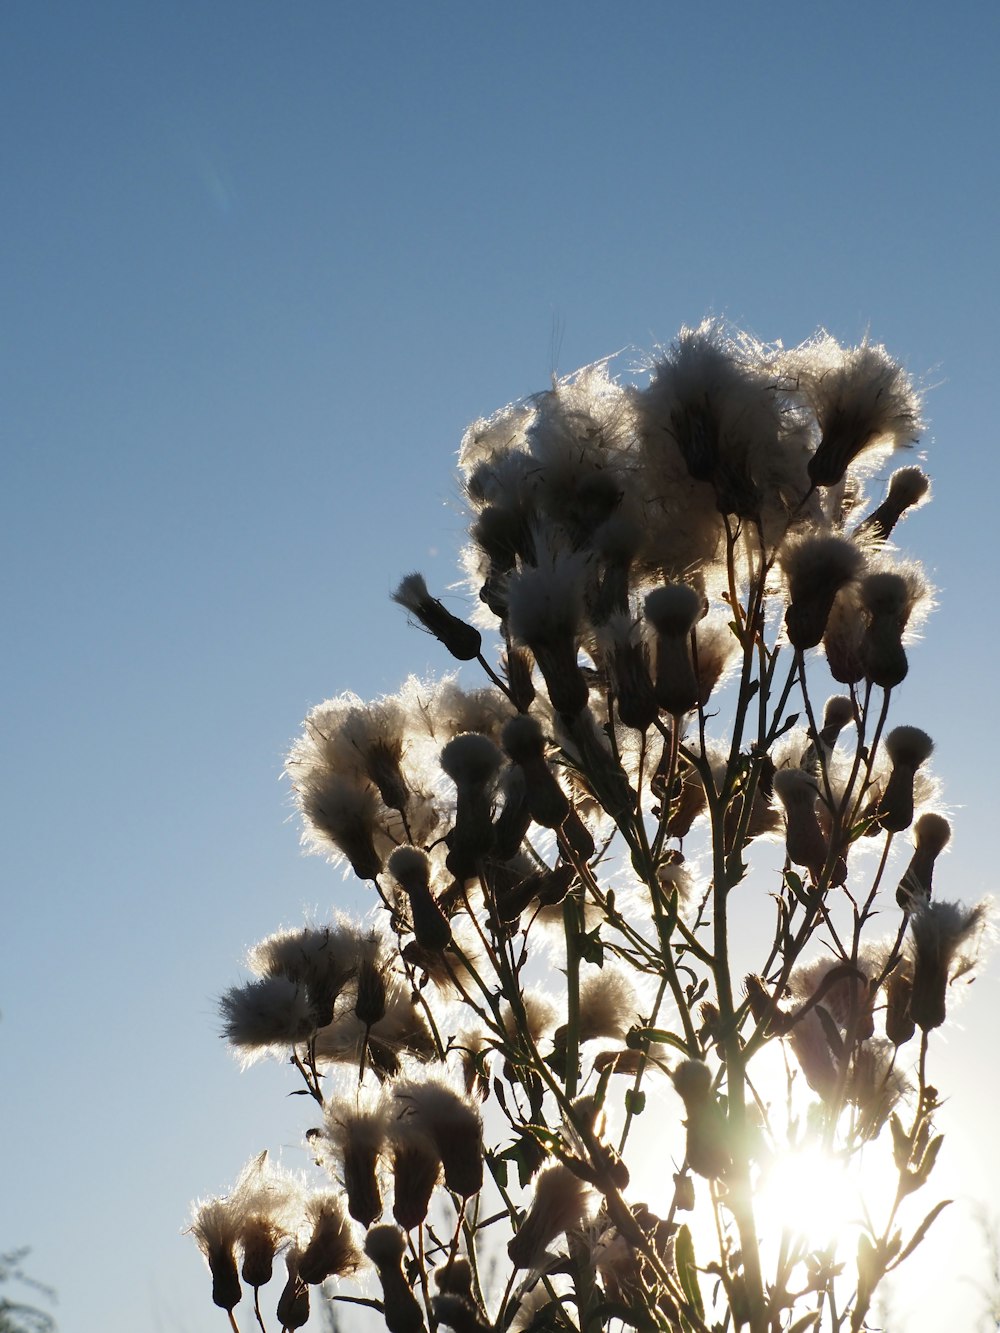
331,1251
908,488
546,612
708,1150
843,637
293,1303
411,869
805,843
899,1024
673,611
518,664
862,399
561,1203
931,835
451,1123
944,939
356,1132
416,1168
463,641
459,1313
816,568
888,599
524,742
472,762
266,1014
215,1228
385,1247
908,748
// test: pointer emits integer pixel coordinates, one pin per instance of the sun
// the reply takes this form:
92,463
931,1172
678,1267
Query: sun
818,1198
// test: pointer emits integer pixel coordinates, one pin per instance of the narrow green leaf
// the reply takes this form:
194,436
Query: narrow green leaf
922,1230
686,1269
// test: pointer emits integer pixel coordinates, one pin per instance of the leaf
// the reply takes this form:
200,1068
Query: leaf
807,1321
498,1169
640,1037
686,1269
922,1230
635,1101
592,947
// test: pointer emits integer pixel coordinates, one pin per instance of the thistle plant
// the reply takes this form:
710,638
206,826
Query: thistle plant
556,1074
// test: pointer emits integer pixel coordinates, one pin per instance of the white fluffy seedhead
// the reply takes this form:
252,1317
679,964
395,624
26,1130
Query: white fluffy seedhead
452,1123
861,398
266,1017
561,1202
490,438
471,760
546,602
908,746
673,610
608,1004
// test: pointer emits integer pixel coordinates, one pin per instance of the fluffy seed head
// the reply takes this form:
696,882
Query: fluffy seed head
266,1014
471,760
331,1250
908,746
673,610
561,1203
451,1123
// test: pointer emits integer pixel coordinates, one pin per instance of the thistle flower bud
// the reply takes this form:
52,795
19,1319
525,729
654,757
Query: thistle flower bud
545,613
524,742
810,1043
931,835
944,940
452,1125
805,843
321,960
411,869
908,748
514,820
626,656
888,599
463,641
715,649
844,633
385,1247
267,1203
215,1228
908,488
899,1024
330,1251
518,666
608,1004
673,611
416,1168
356,1132
260,1240
816,568
838,712
338,814
293,1304
459,1313
561,1202
472,762
708,1151
455,1277
266,1014
861,398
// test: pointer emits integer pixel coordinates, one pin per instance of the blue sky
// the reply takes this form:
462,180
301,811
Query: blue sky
262,264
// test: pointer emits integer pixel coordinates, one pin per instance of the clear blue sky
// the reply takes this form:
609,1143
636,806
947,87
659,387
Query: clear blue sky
262,262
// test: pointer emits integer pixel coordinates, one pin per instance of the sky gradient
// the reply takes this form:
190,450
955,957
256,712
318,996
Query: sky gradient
263,263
